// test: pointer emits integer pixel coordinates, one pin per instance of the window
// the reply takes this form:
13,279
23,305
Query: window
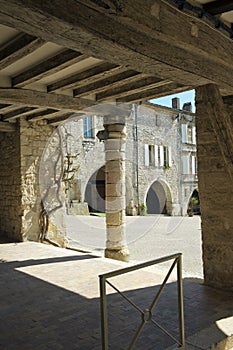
88,127
149,155
184,132
188,133
165,156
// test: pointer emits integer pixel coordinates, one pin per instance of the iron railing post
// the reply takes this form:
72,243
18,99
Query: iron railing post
104,315
180,301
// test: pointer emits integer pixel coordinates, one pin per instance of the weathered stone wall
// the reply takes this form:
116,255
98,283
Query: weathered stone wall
10,194
33,138
215,189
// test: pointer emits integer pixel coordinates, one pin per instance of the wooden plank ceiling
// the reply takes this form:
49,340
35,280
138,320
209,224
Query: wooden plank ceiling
41,78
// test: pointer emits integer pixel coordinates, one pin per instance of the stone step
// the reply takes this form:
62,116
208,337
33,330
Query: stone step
215,337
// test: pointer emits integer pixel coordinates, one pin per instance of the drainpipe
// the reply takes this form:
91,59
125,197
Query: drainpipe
135,106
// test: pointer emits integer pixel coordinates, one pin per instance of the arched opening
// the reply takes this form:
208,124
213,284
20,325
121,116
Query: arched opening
194,204
158,199
95,191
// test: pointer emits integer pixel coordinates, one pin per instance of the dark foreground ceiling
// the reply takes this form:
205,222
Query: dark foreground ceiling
59,58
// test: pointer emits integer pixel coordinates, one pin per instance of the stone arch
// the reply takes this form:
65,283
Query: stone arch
95,191
194,206
158,198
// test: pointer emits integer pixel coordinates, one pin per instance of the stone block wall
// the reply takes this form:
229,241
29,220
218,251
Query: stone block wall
20,199
10,194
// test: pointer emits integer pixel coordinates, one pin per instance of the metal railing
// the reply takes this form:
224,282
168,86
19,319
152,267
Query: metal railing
147,314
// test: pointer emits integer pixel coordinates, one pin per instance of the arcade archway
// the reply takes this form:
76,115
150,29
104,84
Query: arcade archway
158,199
95,191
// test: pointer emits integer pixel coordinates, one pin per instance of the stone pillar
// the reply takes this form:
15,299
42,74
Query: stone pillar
116,246
214,151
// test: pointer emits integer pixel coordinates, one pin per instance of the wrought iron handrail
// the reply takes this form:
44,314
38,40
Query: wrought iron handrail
146,315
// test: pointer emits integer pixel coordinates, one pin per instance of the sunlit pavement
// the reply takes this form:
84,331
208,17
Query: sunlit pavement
148,237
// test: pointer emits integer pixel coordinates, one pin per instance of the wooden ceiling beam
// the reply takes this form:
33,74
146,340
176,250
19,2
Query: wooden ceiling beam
19,47
107,83
228,100
14,114
7,127
52,65
39,115
42,99
87,76
58,120
143,36
152,93
132,88
9,108
218,7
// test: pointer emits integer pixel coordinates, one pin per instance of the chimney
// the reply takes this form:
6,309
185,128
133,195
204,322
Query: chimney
187,107
176,103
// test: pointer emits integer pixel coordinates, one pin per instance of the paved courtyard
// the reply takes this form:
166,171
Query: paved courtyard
50,301
148,237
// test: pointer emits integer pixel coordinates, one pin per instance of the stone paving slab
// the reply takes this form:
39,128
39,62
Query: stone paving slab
50,300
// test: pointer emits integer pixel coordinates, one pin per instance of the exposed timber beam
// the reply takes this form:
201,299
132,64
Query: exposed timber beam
228,100
152,93
17,48
132,88
48,67
218,7
19,112
39,115
42,99
58,120
107,83
143,36
7,127
87,76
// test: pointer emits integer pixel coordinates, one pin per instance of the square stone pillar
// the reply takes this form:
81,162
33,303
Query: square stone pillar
215,175
116,246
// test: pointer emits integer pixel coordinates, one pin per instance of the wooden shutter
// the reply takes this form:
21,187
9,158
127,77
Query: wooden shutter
193,165
184,132
170,156
146,155
156,155
194,141
161,155
186,164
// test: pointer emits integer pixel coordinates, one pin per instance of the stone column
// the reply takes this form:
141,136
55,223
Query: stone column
116,246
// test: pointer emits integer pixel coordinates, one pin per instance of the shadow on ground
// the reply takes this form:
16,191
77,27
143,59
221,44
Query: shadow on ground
35,314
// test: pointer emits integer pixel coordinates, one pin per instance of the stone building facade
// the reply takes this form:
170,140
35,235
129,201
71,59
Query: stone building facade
161,171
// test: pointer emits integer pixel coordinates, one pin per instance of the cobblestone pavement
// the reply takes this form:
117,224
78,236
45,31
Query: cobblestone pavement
148,237
50,300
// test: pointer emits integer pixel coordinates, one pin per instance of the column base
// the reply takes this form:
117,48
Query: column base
121,254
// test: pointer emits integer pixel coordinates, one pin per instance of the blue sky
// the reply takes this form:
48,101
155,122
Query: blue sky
187,96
